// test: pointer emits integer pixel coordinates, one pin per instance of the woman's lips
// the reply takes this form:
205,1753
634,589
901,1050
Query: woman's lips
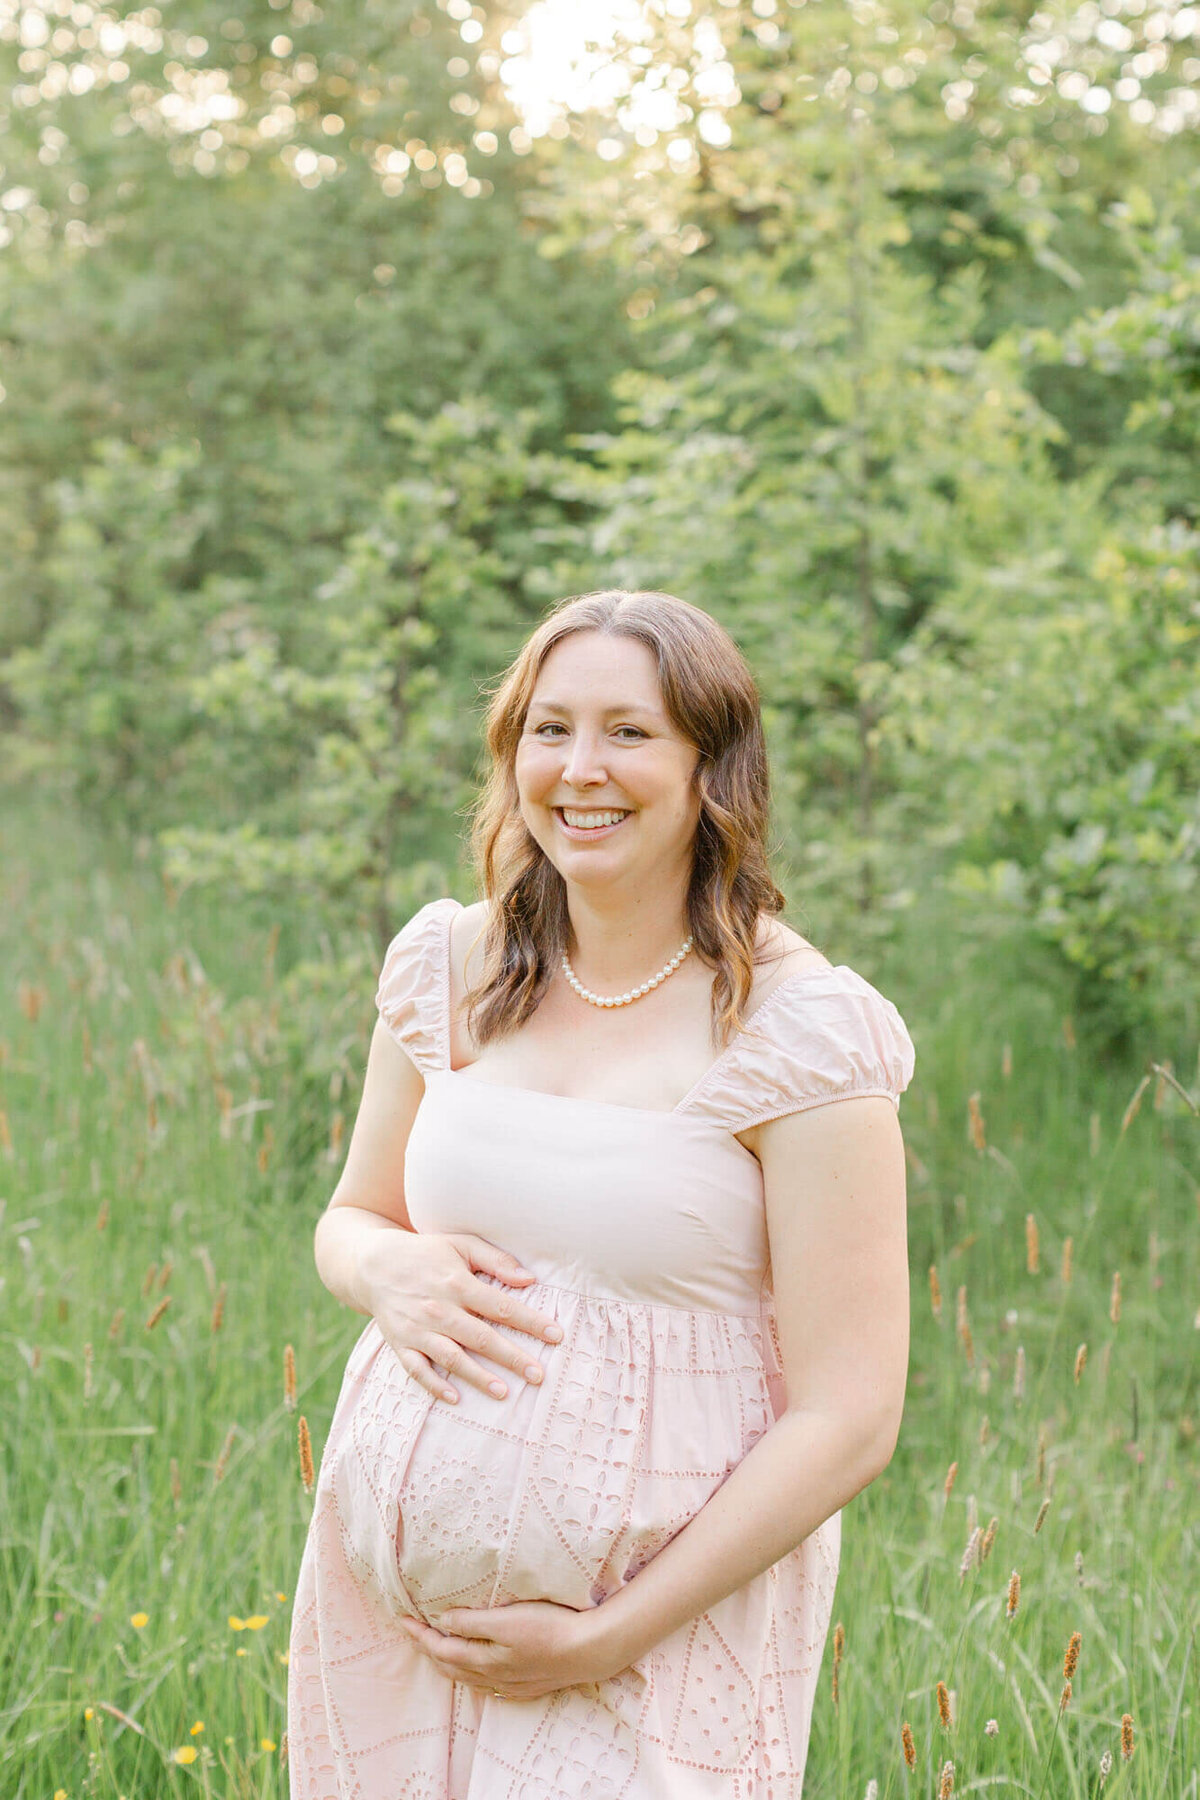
582,834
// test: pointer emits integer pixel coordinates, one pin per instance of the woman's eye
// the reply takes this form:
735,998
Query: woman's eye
637,734
548,727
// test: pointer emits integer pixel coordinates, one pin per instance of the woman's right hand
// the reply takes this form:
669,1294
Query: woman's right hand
431,1308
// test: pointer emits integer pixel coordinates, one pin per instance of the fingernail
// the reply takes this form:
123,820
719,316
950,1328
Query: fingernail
554,1333
498,1388
533,1372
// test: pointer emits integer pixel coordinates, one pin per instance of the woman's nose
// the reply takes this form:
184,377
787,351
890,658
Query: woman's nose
583,762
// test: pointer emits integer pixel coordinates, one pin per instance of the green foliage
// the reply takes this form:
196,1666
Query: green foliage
324,377
1066,741
105,684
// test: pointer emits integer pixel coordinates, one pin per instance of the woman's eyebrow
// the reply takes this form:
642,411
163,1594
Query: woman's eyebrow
610,712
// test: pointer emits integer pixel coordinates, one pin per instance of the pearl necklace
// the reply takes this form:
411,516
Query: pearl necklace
634,993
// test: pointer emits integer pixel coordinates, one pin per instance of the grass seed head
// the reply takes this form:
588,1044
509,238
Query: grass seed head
975,1122
306,1461
1132,1110
223,1459
1071,1659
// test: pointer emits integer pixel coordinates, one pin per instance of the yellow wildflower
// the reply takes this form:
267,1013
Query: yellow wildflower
198,1727
266,1743
187,1753
257,1621
137,1620
236,1624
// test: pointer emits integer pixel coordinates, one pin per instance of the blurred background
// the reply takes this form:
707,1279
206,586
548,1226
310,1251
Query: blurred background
336,343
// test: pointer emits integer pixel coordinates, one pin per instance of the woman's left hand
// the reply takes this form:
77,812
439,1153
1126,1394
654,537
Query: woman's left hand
521,1651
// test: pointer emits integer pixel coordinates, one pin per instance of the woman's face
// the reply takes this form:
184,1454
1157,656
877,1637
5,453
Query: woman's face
597,742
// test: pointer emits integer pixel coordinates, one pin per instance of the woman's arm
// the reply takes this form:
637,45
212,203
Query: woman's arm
835,1198
368,1201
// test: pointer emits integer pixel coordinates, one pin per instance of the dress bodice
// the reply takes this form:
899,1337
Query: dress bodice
641,1205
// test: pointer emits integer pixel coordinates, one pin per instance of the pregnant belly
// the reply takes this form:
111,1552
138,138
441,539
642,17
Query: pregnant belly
561,1491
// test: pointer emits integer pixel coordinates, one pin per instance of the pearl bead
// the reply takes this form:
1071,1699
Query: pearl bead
632,993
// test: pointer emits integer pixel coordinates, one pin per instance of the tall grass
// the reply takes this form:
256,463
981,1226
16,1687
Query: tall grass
1022,1579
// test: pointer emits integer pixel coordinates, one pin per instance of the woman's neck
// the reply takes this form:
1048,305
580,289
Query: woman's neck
615,946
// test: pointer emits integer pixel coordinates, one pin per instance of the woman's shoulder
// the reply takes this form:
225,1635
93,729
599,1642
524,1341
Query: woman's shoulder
780,953
413,982
467,928
821,1032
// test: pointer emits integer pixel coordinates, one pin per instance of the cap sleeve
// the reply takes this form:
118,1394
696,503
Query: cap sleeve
414,985
822,1036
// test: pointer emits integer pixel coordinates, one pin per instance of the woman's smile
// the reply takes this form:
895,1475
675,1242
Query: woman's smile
579,823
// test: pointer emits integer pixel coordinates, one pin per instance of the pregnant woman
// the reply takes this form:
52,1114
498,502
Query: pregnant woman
638,1288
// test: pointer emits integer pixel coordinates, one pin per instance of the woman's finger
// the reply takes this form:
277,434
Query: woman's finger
456,1656
479,1254
418,1367
506,1309
474,1334
454,1359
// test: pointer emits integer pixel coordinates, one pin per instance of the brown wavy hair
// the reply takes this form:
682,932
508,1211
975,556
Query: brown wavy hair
711,698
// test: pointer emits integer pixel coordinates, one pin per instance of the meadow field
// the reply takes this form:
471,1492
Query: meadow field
166,1145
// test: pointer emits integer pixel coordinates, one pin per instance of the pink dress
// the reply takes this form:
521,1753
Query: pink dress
646,1231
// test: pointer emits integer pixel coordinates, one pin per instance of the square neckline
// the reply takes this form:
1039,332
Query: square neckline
654,1112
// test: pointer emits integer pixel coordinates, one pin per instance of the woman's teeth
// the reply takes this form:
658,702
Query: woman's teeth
590,821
